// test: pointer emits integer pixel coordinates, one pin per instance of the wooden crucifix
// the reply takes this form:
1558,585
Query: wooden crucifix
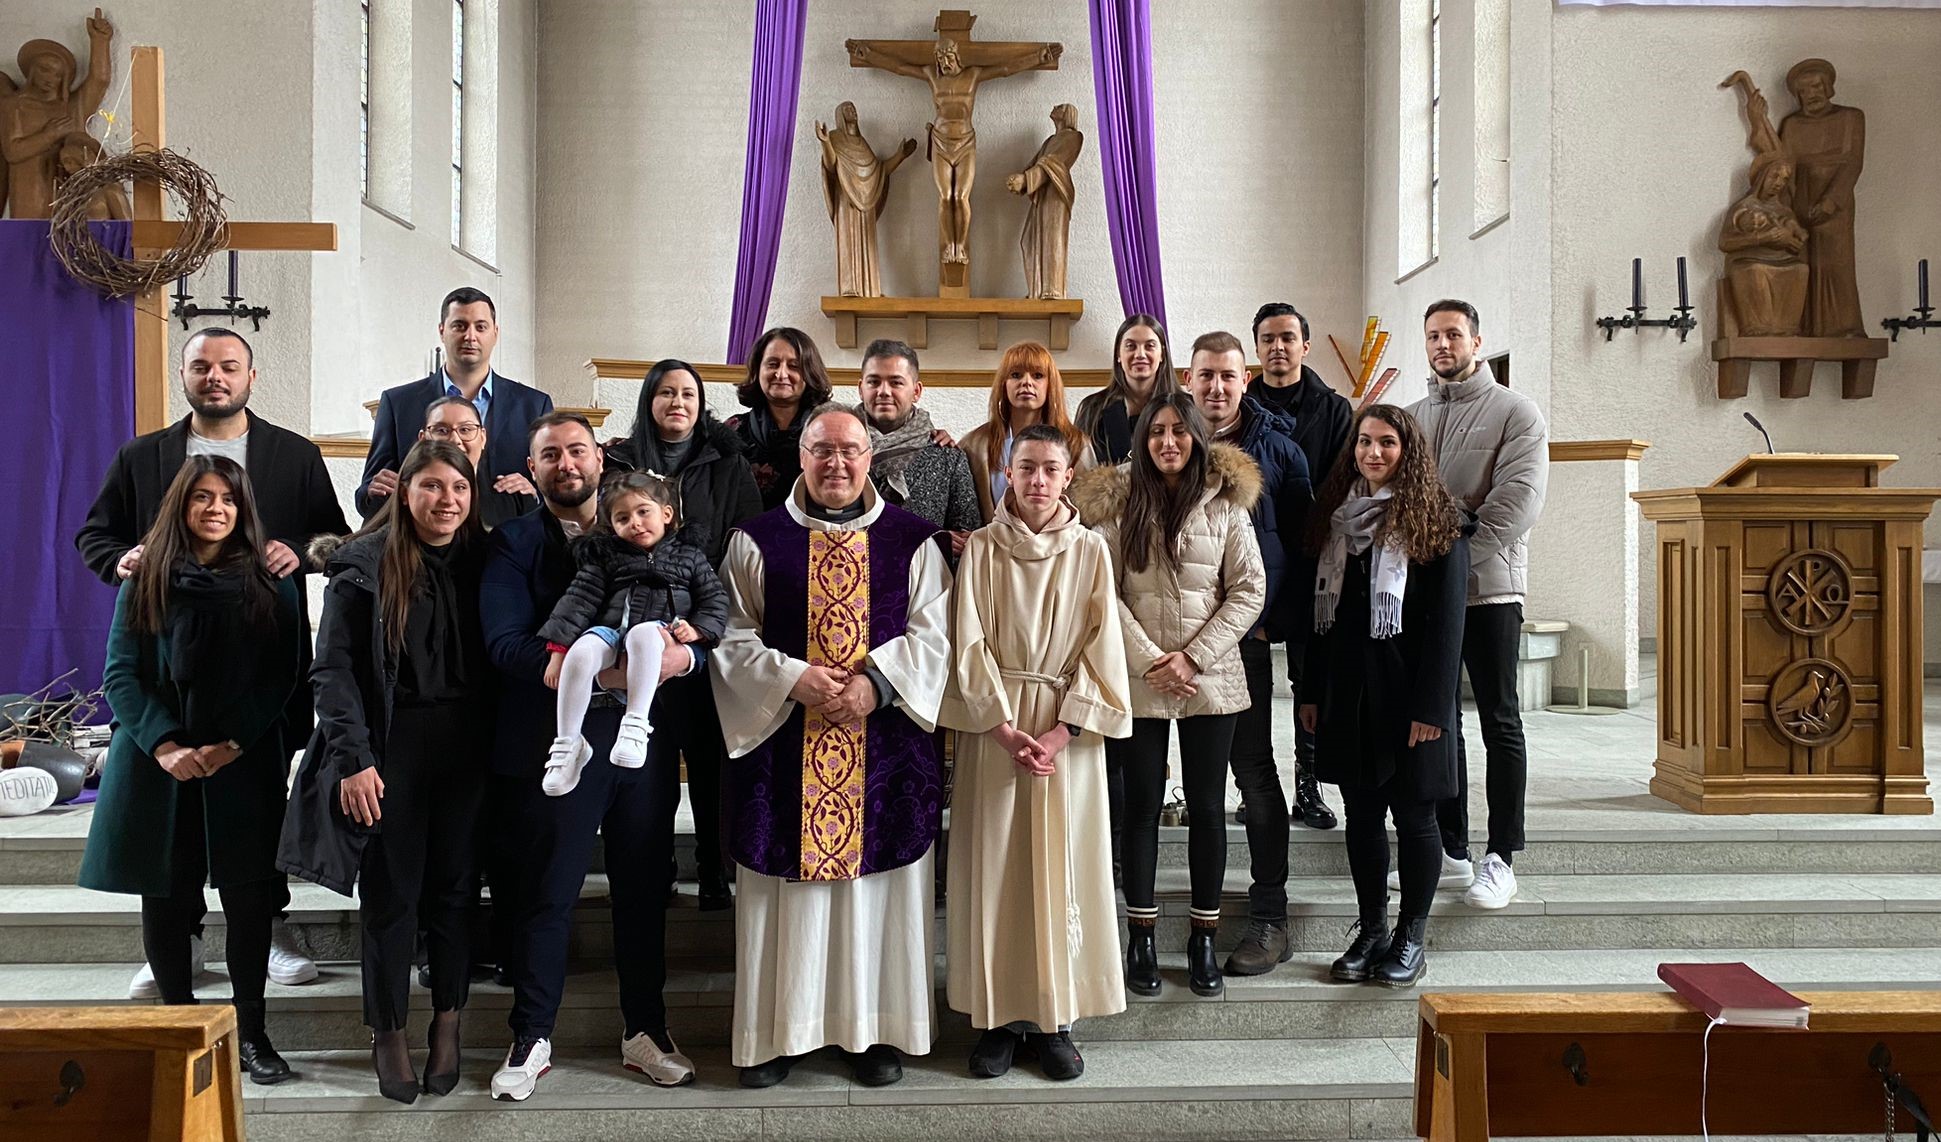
153,233
953,66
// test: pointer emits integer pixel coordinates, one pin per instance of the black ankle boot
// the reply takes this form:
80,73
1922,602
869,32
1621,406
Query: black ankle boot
1202,966
1407,957
1371,944
1309,809
258,1058
1142,961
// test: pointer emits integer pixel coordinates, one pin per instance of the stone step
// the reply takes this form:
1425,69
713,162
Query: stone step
1295,1001
56,924
47,849
1140,1092
1171,1089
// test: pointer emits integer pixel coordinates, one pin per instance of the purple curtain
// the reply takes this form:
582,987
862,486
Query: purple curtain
1122,77
68,356
773,82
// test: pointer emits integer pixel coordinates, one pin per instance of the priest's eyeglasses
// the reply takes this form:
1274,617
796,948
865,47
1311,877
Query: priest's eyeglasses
466,432
848,453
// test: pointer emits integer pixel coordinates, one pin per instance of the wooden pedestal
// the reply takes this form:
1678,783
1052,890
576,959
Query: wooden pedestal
918,312
1789,639
120,1074
1796,357
1576,1064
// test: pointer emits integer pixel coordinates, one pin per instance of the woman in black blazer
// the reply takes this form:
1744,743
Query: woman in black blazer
1380,693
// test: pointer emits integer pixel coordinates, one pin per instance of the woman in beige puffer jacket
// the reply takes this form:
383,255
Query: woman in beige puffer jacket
1190,585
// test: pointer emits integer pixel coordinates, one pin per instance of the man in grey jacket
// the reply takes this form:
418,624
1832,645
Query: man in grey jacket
1493,451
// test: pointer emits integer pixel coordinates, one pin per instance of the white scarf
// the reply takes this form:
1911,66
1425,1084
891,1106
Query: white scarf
1351,530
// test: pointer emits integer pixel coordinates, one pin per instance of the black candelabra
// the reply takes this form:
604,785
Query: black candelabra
1634,317
233,310
1923,315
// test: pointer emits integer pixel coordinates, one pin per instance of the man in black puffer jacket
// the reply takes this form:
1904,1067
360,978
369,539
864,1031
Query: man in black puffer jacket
1217,379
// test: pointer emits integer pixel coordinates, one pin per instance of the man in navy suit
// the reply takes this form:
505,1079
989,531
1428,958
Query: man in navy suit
468,324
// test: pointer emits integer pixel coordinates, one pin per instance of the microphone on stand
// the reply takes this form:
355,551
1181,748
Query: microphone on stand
1754,421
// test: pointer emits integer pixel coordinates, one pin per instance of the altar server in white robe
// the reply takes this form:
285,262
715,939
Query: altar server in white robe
1040,684
829,681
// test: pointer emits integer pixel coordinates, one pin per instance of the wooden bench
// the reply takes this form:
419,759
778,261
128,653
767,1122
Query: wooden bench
108,1074
1521,1065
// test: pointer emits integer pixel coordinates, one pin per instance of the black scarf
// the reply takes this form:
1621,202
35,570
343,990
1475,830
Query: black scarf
212,649
438,641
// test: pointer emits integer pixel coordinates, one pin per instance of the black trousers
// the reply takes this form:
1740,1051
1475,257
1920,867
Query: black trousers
169,921
632,812
1418,848
1489,643
418,870
686,714
1116,752
1204,743
1259,781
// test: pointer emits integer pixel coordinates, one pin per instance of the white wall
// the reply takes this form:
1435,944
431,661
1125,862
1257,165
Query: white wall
1647,154
644,108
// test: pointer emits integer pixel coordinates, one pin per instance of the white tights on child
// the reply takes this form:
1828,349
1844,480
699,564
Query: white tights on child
589,655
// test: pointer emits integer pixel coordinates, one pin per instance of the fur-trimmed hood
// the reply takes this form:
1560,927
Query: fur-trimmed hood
1100,494
329,554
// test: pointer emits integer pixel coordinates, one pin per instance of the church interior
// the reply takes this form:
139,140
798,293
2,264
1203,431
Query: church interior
1729,663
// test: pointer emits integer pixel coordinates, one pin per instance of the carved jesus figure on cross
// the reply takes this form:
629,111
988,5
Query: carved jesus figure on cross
953,67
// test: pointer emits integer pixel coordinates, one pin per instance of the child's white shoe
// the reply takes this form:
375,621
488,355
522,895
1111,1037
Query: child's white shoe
630,744
563,765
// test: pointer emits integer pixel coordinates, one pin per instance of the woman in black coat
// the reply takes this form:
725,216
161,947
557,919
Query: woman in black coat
388,793
675,434
202,658
786,378
1380,695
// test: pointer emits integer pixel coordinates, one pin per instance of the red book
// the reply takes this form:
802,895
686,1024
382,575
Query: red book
1735,995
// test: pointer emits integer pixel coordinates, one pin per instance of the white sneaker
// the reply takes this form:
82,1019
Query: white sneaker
516,1077
662,1068
1495,884
630,744
563,765
1455,874
288,962
143,986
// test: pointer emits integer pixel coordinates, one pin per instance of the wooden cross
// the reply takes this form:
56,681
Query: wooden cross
952,146
153,234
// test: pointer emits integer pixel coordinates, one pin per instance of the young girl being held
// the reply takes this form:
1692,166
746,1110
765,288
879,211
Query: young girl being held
641,588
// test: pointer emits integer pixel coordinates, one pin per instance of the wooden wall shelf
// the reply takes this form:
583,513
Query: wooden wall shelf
918,312
1796,357
626,369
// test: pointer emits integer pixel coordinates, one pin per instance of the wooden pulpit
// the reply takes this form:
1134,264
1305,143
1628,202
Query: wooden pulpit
1789,638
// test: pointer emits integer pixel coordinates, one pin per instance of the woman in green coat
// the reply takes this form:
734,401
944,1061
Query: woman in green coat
202,656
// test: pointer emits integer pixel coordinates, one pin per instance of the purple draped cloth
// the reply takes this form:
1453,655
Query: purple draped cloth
1122,78
773,83
903,792
68,356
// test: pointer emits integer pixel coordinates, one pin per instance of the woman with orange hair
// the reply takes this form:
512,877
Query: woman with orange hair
1027,390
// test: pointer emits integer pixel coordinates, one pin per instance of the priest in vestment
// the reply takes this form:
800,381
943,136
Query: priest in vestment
1048,183
829,681
1040,683
855,185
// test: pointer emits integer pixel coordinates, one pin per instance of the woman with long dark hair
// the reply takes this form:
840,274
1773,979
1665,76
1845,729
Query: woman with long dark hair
1142,368
202,656
676,436
1380,693
1191,585
786,378
389,790
1026,390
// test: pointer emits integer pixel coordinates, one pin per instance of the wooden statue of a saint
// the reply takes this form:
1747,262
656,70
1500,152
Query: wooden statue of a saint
1048,183
1827,144
855,185
1765,246
36,119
